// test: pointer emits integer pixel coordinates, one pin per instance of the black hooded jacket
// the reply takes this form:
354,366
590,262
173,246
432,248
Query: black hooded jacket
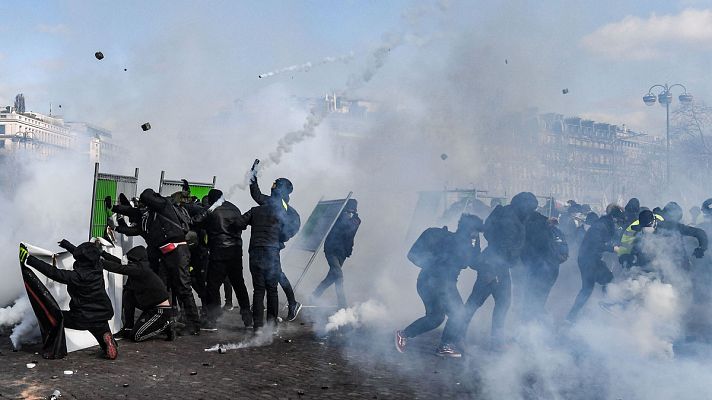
598,239
340,241
89,302
273,221
147,287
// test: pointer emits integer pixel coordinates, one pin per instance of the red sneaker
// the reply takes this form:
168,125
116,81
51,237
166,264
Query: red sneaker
401,341
111,351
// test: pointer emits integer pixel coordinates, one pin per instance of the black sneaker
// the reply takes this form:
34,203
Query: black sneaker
447,350
124,333
294,311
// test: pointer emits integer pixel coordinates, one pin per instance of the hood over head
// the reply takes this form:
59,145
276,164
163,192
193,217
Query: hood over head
138,253
86,255
524,203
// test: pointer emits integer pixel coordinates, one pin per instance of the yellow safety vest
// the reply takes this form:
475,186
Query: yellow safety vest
629,237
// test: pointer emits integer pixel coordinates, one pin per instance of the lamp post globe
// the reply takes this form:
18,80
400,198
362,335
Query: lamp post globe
649,99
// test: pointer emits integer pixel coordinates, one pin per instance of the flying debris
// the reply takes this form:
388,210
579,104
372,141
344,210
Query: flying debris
443,156
565,91
505,61
124,69
146,126
99,55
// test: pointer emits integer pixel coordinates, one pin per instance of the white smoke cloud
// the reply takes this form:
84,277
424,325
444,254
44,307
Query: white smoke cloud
369,312
264,337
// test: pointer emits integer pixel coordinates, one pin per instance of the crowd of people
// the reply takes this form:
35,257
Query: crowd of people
192,246
195,246
645,241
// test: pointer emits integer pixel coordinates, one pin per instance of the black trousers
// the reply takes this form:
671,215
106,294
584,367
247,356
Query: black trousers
266,273
588,268
540,279
335,277
199,270
176,264
286,287
128,307
440,298
152,322
97,329
227,288
488,283
218,271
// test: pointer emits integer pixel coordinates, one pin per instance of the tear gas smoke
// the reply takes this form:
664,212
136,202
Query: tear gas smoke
375,61
265,337
346,58
362,313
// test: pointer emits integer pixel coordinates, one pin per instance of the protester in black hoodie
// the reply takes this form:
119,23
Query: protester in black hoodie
338,247
89,306
601,237
441,255
273,228
273,223
146,292
165,229
221,221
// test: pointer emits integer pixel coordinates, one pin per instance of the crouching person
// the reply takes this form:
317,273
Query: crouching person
147,292
89,306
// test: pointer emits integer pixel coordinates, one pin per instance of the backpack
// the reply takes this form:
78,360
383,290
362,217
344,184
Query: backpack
427,249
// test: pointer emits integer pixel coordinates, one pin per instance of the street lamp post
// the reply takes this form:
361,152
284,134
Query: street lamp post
664,97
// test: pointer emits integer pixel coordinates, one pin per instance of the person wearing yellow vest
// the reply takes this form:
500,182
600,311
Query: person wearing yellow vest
626,246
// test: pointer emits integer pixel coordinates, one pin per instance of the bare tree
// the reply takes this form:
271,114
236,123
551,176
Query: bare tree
692,128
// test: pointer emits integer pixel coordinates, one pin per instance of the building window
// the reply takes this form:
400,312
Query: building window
2,131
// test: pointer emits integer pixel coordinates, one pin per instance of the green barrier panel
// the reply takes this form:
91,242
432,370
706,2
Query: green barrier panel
104,187
108,185
198,189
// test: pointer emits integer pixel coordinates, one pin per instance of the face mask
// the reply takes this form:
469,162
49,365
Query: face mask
648,229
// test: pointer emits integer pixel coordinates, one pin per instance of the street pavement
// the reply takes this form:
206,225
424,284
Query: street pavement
299,363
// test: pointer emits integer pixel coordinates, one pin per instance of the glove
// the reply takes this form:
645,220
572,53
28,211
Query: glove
108,203
255,164
185,187
123,200
122,223
67,245
110,223
24,253
699,252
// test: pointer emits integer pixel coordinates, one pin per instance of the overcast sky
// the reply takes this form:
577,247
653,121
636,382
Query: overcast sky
206,56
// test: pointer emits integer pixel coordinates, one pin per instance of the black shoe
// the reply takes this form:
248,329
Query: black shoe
294,311
124,333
